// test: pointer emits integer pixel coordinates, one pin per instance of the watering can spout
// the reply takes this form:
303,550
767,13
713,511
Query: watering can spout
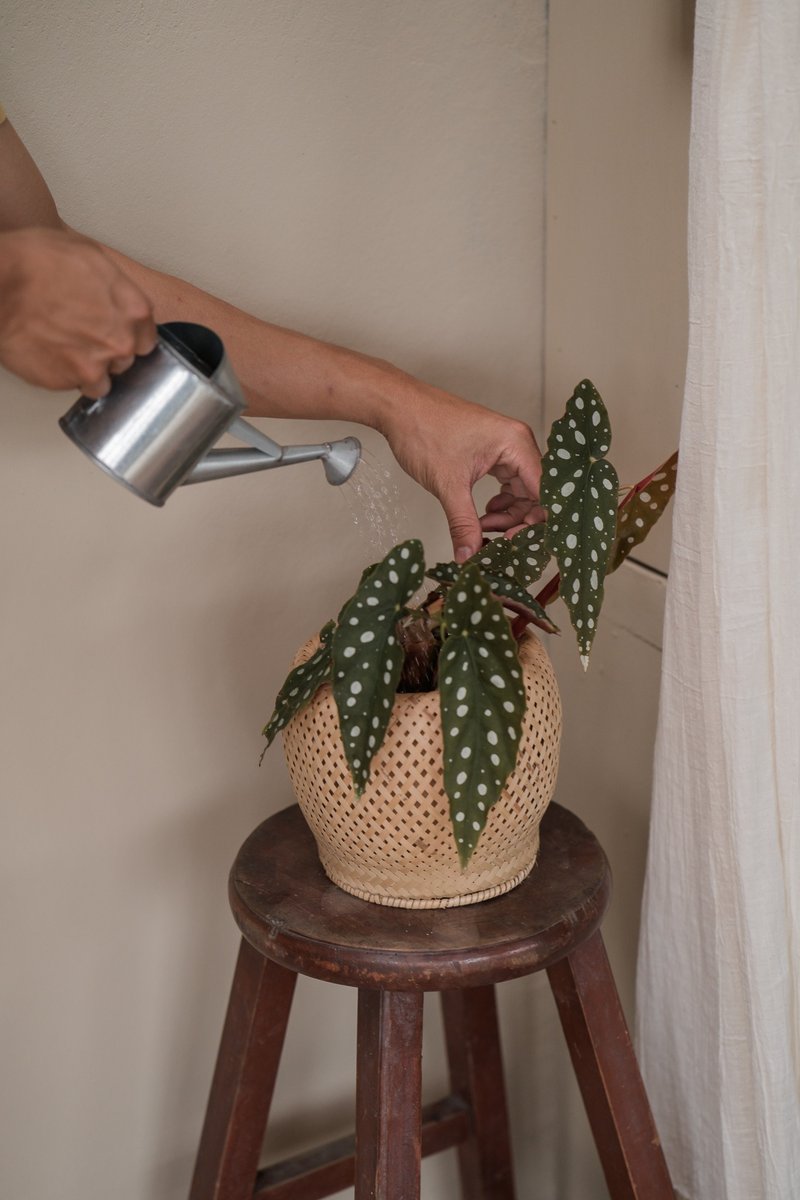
339,459
154,430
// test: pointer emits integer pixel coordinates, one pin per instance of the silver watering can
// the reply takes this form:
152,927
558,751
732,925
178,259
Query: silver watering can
154,429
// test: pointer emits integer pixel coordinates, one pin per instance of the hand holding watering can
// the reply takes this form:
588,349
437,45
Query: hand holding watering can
155,429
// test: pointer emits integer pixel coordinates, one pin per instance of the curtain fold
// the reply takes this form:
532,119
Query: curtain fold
718,990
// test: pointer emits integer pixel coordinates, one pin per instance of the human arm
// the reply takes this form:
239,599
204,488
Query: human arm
68,315
447,444
443,442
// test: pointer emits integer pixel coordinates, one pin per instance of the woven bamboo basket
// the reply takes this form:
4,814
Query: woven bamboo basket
394,845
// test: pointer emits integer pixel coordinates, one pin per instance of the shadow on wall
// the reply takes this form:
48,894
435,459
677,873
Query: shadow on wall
687,10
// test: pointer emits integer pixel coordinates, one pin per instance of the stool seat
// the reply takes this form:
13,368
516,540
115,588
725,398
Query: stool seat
288,909
295,922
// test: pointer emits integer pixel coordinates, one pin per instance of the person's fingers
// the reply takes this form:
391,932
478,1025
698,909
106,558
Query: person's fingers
498,522
462,521
500,502
536,515
512,518
136,312
145,335
514,507
118,365
508,502
512,529
95,384
529,465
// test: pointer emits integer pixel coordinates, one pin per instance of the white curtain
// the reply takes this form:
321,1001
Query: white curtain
718,1026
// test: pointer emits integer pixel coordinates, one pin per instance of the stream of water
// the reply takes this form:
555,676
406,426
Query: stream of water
373,500
372,497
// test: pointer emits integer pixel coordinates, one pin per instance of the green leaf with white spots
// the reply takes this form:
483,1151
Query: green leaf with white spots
498,558
531,545
521,558
641,509
521,601
365,574
579,490
444,572
367,659
301,684
504,586
483,702
510,565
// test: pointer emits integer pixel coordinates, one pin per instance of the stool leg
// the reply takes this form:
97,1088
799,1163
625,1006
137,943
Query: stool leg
476,1074
606,1068
388,1095
244,1079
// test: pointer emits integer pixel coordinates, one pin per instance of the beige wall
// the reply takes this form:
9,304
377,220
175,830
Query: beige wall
371,173
616,310
619,89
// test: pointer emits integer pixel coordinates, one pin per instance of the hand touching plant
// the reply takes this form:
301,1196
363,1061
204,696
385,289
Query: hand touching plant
461,638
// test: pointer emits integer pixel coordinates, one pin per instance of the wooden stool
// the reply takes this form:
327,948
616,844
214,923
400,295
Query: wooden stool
295,921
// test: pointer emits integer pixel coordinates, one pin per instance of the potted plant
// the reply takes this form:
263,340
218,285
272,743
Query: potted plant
422,735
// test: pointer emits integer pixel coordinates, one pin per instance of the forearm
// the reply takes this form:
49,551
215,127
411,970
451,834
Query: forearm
25,199
85,320
442,441
283,373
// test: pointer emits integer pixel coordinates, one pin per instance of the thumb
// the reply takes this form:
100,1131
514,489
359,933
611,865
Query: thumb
462,520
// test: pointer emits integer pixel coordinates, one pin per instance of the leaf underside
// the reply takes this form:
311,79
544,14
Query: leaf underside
482,701
640,510
301,684
579,490
367,659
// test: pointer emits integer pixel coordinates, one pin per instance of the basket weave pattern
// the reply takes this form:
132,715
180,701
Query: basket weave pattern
395,844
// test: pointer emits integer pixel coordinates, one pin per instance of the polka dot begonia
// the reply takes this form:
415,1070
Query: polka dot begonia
579,489
482,702
301,684
367,659
641,509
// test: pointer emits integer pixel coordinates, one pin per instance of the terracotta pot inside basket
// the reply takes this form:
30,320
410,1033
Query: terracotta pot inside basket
395,845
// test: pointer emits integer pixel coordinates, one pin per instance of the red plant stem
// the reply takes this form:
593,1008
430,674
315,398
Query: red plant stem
518,626
549,592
